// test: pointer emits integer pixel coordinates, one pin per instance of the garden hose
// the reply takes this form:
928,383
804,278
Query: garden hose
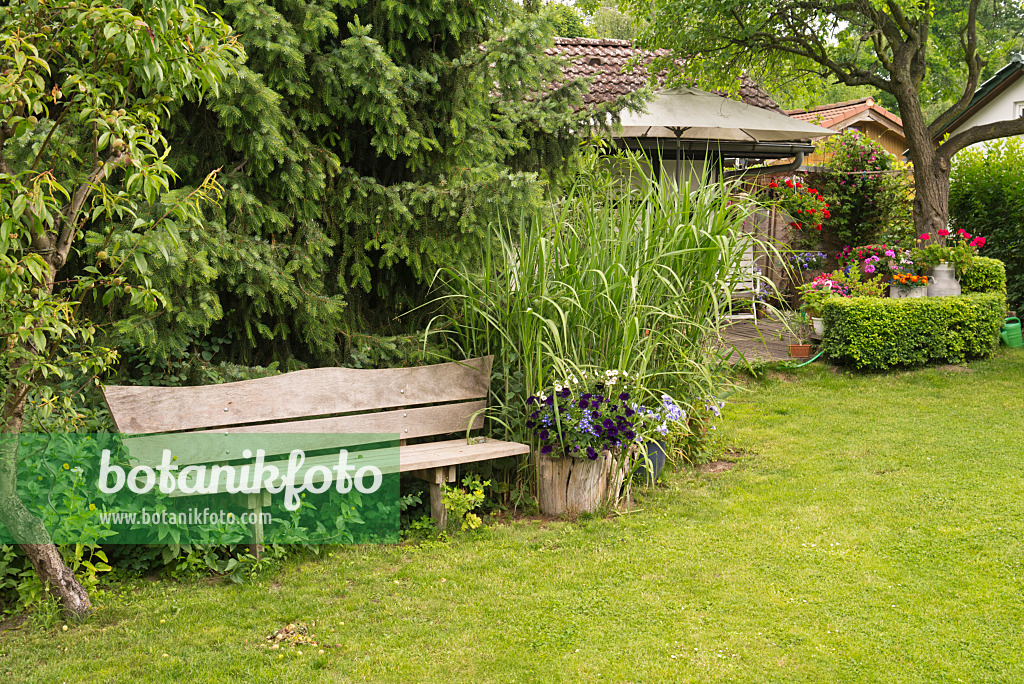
801,365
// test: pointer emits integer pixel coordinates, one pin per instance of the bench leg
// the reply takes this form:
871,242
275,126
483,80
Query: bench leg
437,510
256,502
435,477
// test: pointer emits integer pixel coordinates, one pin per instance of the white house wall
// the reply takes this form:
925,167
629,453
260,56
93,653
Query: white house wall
1003,106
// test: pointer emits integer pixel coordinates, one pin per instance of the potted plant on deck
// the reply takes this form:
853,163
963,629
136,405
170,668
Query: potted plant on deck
816,292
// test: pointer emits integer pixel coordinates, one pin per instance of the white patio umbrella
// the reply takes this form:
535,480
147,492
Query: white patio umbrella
691,114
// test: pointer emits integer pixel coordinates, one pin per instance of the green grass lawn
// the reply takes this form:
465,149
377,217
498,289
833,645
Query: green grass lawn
871,531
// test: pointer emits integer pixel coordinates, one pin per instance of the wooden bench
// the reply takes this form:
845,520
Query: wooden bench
415,403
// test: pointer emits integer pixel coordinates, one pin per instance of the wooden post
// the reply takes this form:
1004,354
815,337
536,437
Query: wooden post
435,477
256,502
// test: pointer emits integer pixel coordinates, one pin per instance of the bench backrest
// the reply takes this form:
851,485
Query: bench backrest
417,402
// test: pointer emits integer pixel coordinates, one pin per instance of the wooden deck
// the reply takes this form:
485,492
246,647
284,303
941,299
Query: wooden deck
767,341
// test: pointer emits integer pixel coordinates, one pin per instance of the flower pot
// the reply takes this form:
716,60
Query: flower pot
800,351
819,325
901,292
943,282
656,454
578,485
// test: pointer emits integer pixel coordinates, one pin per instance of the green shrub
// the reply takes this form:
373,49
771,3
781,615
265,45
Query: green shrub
986,197
984,275
878,334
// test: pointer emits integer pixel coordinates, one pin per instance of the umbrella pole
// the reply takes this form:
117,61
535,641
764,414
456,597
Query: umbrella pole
679,163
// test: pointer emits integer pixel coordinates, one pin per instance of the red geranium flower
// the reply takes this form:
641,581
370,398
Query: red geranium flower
942,232
924,236
827,213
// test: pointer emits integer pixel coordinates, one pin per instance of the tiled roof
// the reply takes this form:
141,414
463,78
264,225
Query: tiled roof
607,61
831,115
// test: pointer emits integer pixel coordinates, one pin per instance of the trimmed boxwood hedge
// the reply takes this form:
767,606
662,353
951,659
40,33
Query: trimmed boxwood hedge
880,333
984,275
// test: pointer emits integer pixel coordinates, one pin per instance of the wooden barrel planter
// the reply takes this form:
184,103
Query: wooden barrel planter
580,485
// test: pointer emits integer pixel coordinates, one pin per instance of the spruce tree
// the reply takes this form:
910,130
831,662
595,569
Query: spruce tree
361,146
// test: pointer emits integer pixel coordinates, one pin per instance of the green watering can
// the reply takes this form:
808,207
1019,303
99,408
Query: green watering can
1011,333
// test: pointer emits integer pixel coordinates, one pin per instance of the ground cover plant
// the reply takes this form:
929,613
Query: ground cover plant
821,556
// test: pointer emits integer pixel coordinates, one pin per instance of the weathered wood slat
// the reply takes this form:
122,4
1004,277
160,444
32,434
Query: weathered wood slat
321,433
300,394
413,457
456,452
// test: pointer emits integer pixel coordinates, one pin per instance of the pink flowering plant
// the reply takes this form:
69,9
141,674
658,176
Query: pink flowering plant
957,249
867,188
838,284
879,260
819,290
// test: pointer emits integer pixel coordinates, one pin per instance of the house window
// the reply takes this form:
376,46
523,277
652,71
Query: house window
1018,109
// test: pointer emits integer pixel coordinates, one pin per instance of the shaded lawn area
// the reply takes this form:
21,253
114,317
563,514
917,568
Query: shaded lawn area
871,532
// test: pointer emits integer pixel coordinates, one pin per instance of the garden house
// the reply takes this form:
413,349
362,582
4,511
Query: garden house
1000,97
864,115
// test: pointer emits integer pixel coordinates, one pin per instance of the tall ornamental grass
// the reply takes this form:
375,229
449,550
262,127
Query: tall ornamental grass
623,272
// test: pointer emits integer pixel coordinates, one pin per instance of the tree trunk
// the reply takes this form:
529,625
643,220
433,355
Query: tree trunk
579,485
931,171
931,197
27,529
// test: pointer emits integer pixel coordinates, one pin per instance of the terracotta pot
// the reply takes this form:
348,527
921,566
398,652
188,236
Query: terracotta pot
800,351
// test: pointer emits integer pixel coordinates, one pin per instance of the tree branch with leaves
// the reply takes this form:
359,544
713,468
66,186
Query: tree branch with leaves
890,45
103,72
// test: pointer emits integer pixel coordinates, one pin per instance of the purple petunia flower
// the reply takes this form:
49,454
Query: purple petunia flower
546,449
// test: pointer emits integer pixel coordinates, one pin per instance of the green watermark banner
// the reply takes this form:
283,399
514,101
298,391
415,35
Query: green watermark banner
207,488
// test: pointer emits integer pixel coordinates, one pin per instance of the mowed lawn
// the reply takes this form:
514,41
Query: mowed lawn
871,531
